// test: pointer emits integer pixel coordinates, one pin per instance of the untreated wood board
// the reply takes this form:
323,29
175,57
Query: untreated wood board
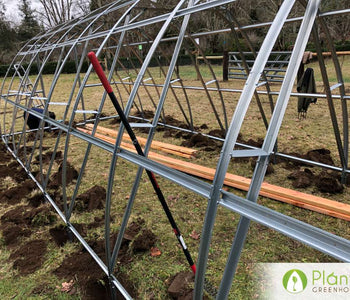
165,147
318,204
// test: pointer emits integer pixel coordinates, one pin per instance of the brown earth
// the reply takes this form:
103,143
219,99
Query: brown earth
17,224
92,199
56,179
29,257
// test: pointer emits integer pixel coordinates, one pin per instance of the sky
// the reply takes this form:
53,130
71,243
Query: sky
12,12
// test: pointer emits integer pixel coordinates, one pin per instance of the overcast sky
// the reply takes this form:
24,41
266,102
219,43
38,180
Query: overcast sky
12,11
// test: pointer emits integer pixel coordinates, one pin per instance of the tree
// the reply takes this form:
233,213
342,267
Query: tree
29,26
57,11
7,36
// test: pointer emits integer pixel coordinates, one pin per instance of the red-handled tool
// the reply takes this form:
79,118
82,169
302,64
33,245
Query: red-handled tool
98,69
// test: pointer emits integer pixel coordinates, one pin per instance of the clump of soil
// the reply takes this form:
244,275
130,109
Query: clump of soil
26,215
29,257
92,280
318,155
142,238
46,157
321,156
82,267
180,285
327,183
61,234
218,133
16,194
36,200
199,140
4,171
302,178
270,169
92,199
19,175
258,143
12,232
56,180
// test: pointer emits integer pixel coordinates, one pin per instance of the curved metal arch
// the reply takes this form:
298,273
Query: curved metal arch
231,139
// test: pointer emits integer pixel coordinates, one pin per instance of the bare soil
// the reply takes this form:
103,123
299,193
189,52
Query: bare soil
28,255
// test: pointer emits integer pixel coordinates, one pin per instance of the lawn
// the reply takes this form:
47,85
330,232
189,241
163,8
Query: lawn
150,275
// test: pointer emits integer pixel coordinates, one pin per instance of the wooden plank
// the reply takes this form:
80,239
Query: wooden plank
165,147
311,202
267,190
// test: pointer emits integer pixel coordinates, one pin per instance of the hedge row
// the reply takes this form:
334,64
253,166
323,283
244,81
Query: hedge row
70,66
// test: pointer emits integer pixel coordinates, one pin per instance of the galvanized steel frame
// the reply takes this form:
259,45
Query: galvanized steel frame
66,40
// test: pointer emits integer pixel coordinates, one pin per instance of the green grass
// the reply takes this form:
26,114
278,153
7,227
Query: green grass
151,274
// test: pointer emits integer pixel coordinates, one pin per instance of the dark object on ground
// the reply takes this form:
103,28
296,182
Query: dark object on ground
302,179
327,183
270,169
29,257
199,140
320,155
15,194
142,238
56,179
61,234
180,285
33,122
92,199
12,232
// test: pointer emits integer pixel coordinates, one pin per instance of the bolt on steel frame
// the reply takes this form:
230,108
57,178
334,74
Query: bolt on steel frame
117,39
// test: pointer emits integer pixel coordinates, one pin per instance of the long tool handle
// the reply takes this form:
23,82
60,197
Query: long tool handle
98,69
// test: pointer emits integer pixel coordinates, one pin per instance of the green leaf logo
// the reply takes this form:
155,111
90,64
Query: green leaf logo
294,281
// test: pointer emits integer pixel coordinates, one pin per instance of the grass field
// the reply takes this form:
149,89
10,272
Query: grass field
150,274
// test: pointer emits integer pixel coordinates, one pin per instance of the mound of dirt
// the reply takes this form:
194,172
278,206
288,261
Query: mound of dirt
80,266
320,155
93,282
36,200
19,175
61,234
270,169
4,171
142,238
327,183
218,133
201,141
46,157
56,180
26,215
29,257
180,286
302,178
16,194
12,232
92,199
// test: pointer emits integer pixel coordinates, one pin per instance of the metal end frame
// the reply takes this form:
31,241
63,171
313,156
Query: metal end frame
119,33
